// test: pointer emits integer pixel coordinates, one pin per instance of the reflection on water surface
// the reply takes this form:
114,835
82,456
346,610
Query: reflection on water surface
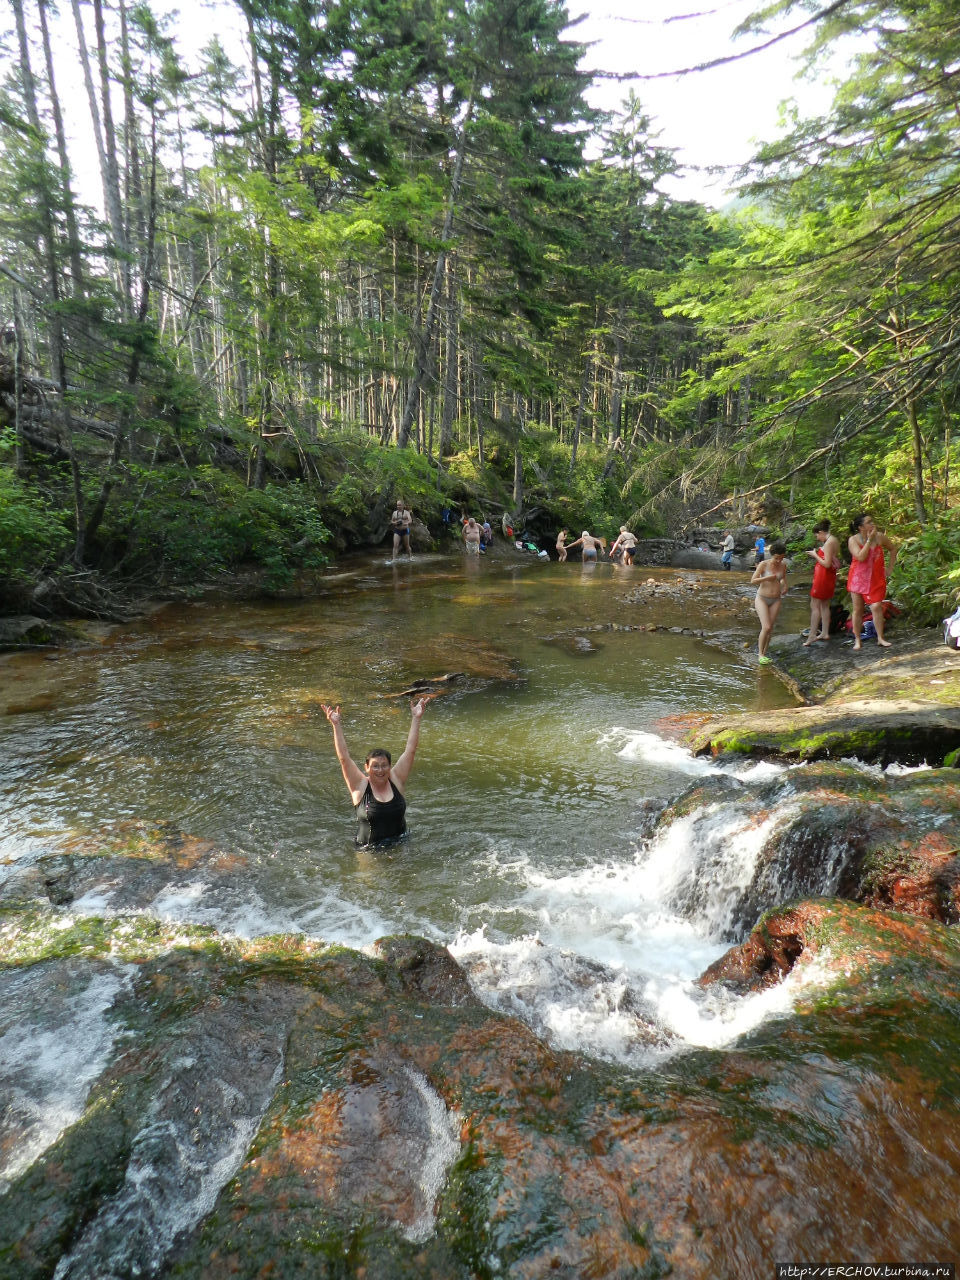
206,717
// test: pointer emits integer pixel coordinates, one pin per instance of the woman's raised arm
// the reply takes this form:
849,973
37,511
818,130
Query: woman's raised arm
353,775
401,770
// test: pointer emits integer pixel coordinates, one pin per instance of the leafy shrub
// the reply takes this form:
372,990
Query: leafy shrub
926,576
185,529
33,534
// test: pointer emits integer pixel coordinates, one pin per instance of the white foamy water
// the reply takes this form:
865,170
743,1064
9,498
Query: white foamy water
195,1136
440,1150
673,757
56,1041
610,966
628,1016
246,915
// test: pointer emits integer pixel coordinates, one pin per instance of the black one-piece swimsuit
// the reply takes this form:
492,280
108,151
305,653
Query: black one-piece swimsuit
380,821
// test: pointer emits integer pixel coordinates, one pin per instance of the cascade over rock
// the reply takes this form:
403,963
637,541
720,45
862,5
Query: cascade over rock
277,1107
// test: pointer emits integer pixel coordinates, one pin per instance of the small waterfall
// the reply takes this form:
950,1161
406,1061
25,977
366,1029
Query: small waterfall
619,945
56,1041
195,1135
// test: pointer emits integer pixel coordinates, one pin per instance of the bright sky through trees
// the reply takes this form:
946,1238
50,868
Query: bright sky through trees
711,117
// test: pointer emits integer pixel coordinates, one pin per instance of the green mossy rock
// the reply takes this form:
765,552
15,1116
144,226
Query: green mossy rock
399,1129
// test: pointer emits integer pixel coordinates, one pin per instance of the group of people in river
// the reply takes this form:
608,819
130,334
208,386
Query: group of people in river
377,790
622,549
866,582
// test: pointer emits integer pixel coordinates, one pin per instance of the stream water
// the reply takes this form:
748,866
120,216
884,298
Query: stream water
191,751
528,807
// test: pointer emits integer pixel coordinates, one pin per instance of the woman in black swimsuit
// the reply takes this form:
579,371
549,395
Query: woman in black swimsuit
377,789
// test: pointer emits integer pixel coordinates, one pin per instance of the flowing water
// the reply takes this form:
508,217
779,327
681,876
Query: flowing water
193,745
528,808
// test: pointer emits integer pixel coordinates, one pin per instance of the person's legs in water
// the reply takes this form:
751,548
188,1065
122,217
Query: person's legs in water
767,610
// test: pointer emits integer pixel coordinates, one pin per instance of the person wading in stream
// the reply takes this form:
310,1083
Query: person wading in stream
377,790
771,580
590,545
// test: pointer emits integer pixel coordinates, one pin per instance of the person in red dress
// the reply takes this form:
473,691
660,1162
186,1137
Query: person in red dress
867,579
826,562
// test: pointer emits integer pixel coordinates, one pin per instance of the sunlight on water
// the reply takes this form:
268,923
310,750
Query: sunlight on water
529,806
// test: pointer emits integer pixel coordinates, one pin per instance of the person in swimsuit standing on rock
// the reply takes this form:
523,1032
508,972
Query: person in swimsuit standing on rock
867,579
827,560
771,580
377,790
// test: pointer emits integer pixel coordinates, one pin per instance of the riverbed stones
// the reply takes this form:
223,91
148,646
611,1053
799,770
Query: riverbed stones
408,1139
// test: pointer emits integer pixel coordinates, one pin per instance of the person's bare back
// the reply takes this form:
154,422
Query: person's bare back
591,546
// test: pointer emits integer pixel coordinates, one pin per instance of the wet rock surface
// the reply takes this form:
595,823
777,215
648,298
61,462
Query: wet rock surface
889,841
278,1108
878,705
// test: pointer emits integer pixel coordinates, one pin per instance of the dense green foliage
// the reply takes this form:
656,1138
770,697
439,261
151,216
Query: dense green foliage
33,535
380,262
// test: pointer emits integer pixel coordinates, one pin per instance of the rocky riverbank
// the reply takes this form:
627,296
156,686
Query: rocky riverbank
880,705
280,1108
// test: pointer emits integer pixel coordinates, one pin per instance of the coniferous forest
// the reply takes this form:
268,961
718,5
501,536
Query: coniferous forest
394,251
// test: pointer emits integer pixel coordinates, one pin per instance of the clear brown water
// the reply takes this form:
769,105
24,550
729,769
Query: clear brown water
528,791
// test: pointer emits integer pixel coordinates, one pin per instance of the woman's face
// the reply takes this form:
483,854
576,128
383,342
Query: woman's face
778,559
378,768
868,527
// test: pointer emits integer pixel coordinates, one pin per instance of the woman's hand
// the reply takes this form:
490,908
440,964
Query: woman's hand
332,713
417,708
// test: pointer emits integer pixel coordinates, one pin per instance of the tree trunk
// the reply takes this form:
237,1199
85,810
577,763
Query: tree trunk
51,262
450,383
424,344
69,209
581,410
133,369
616,388
517,496
919,501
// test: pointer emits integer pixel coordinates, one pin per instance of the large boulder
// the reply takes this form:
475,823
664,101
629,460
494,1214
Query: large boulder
276,1107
